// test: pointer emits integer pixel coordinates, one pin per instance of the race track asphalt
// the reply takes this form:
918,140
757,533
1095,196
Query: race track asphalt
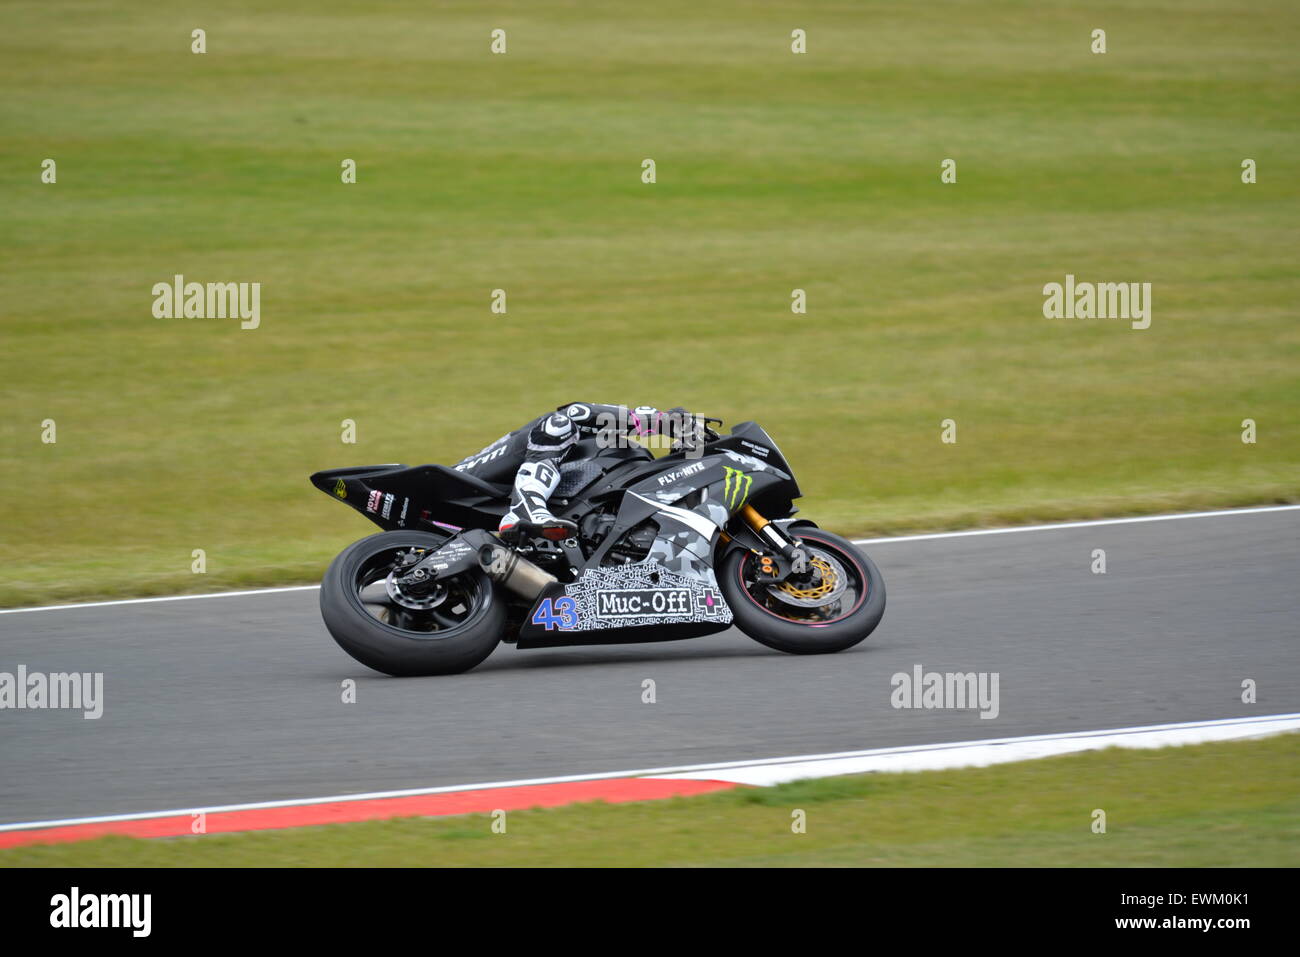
225,700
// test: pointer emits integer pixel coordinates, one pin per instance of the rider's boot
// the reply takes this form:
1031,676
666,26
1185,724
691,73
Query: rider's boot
529,513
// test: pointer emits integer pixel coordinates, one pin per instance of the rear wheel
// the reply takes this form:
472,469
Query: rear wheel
447,629
837,605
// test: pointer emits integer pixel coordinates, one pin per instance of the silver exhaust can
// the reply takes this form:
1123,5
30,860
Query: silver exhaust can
514,572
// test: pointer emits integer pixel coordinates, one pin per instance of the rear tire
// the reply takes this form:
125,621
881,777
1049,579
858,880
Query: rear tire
406,652
771,623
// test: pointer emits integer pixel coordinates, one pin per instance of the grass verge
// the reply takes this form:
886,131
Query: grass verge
522,172
1233,804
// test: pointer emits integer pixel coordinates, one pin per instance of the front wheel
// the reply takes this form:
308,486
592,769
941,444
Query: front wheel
838,605
444,630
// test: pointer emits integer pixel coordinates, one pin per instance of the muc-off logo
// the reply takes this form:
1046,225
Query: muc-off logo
735,486
643,601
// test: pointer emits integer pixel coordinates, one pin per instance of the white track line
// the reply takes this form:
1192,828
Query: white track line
1092,523
812,765
857,541
149,601
980,754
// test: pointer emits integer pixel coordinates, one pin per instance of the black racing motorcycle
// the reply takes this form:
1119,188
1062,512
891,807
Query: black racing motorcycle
683,545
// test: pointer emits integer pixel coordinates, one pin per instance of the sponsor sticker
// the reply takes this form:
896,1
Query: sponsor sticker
708,603
735,488
372,502
616,602
669,477
561,613
497,448
388,504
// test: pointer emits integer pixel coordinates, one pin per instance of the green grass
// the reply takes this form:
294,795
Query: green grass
522,172
1222,805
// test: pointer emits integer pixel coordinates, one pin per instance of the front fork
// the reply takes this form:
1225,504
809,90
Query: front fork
780,557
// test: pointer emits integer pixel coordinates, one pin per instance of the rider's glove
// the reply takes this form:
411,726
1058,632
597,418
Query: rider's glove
687,430
678,423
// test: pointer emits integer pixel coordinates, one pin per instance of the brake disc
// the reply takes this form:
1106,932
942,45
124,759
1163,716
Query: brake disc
436,596
828,584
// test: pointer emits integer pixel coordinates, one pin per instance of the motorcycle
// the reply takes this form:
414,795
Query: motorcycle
687,544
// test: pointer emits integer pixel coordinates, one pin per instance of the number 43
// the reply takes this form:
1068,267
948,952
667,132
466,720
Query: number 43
562,613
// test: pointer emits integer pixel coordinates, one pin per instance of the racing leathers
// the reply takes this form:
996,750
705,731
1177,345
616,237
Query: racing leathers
533,452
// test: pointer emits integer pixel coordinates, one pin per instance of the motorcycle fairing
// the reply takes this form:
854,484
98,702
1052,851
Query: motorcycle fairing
426,497
638,602
689,504
733,479
674,586
747,439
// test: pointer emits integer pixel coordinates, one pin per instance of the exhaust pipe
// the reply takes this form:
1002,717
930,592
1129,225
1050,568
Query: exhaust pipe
516,573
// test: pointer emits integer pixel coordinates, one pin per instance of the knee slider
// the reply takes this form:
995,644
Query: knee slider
553,434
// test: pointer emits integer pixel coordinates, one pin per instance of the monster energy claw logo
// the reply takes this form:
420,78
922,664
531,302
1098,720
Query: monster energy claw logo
340,489
735,488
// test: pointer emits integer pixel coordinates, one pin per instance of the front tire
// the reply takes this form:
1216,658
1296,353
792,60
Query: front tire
453,634
841,608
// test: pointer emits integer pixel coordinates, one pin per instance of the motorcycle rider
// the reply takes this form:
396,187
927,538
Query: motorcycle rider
533,452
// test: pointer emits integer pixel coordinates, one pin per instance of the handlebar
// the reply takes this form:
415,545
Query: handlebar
709,433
